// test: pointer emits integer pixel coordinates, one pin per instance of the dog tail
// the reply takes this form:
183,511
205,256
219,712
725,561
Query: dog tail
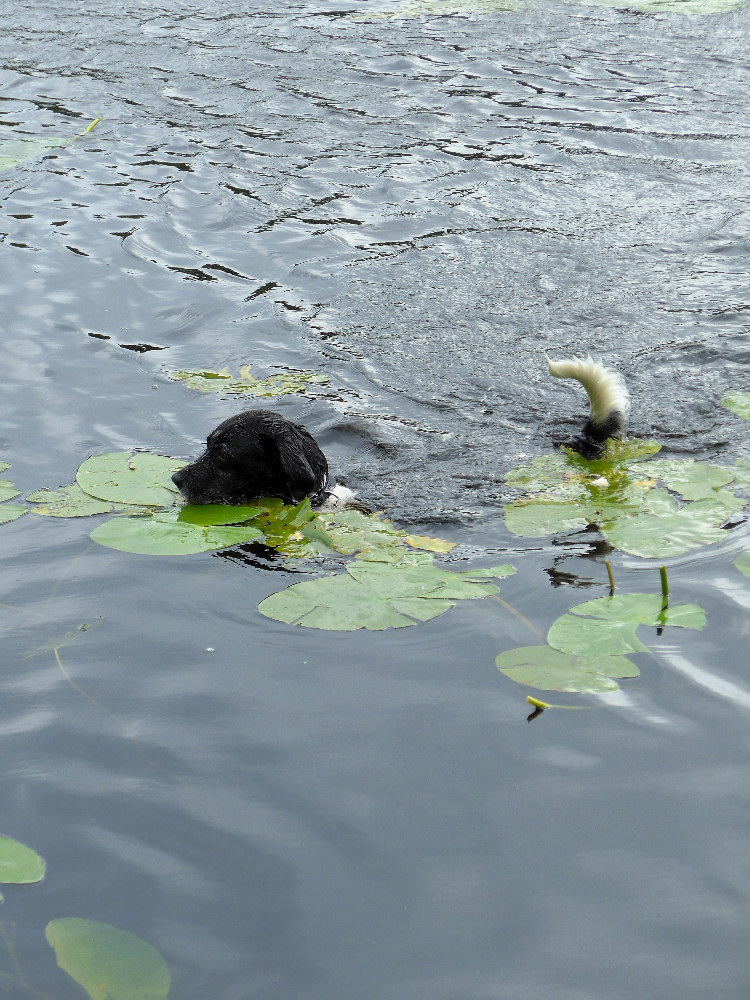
608,396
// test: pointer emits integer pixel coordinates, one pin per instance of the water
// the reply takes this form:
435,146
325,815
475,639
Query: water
418,207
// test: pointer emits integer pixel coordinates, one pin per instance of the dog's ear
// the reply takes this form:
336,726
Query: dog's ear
300,479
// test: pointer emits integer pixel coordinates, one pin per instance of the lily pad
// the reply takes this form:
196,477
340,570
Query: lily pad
692,480
130,477
19,864
375,596
11,512
216,513
67,501
742,562
739,403
551,670
619,496
224,382
164,534
110,964
665,529
7,490
594,636
607,626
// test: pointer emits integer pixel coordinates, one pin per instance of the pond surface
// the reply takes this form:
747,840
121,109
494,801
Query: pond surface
417,206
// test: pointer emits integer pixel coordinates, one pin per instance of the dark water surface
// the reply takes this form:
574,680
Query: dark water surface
418,207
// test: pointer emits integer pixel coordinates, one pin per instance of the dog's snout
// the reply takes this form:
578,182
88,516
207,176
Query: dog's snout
179,478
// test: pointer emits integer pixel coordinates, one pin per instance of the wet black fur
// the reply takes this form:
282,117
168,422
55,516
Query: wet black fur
255,454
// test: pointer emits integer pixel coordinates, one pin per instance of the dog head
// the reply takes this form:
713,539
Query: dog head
254,454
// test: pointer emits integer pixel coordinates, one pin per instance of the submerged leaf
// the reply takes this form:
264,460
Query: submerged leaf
16,151
551,670
67,501
110,964
19,864
130,477
739,403
742,562
273,385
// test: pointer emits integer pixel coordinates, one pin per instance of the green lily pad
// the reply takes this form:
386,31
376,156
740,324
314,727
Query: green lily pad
7,490
130,477
643,609
692,480
11,512
374,595
742,562
224,382
666,529
110,964
739,403
216,513
551,670
164,534
67,501
19,864
607,626
594,636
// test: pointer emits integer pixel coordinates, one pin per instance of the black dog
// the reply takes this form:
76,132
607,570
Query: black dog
256,454
260,454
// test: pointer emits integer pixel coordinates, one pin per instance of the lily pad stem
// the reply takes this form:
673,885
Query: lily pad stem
611,576
664,586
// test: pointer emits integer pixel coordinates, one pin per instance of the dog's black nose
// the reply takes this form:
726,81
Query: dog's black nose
179,478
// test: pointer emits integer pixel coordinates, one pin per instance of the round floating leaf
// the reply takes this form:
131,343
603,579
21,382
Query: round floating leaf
692,480
373,595
11,511
593,636
110,964
68,501
7,490
551,670
666,529
544,516
130,477
216,513
164,535
643,609
18,863
742,562
739,403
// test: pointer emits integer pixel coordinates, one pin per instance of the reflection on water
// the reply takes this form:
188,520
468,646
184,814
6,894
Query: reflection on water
418,207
